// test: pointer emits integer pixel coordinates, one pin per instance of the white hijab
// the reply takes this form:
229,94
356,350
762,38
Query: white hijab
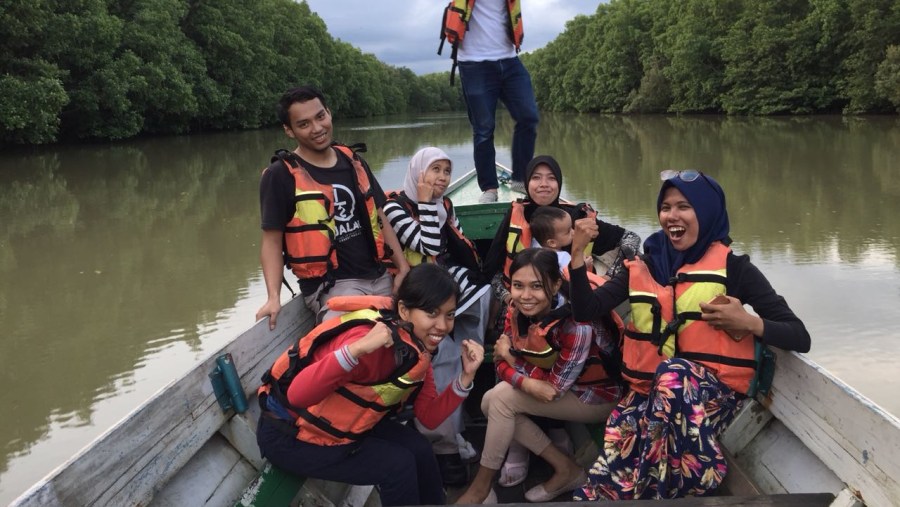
419,163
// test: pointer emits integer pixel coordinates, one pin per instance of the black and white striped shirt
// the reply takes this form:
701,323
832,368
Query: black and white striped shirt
423,235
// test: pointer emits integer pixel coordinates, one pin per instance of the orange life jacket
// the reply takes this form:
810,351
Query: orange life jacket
353,409
309,249
666,322
535,348
455,23
460,249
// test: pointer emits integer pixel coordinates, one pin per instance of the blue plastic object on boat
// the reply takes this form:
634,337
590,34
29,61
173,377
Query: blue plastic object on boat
227,385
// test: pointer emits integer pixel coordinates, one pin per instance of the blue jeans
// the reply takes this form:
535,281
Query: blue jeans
483,84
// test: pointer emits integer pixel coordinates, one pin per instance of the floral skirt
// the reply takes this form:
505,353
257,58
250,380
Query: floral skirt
665,445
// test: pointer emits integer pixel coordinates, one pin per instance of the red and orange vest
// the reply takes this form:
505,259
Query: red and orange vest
455,23
666,322
353,409
309,249
535,348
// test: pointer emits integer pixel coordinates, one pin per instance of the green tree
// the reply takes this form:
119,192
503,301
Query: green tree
767,61
172,73
238,41
30,105
32,94
692,44
100,77
874,25
887,79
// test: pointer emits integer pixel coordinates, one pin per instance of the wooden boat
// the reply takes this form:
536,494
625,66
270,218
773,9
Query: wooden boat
813,438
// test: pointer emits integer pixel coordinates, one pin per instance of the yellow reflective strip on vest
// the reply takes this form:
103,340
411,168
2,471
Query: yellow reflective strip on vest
413,257
365,313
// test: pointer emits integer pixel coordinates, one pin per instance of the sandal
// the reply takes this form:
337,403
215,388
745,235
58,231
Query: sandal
515,469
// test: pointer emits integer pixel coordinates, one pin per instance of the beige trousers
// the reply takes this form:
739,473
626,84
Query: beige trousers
507,410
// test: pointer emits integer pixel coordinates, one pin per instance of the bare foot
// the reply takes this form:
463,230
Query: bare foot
563,477
473,495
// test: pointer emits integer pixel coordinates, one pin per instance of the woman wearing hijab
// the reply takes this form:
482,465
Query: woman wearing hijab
543,184
428,231
544,180
690,351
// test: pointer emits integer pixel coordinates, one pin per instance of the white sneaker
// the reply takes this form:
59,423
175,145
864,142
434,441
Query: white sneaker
488,196
517,186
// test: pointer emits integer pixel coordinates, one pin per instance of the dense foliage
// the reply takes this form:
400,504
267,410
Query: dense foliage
757,57
111,69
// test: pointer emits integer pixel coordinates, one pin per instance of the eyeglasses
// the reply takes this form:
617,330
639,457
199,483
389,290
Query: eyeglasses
685,176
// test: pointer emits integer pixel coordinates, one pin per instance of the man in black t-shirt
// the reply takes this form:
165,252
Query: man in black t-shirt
359,271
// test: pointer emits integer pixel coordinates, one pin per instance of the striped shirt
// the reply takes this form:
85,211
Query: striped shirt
424,235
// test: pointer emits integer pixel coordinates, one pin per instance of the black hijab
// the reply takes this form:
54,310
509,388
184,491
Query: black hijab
551,163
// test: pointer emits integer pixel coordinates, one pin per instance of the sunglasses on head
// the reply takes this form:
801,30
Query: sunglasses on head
685,176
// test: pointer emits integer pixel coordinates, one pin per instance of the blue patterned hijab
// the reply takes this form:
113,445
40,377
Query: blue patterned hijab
708,200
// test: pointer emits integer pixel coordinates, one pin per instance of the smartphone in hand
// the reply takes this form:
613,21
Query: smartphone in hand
721,299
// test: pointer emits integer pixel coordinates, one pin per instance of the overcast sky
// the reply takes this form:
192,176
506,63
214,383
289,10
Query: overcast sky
405,33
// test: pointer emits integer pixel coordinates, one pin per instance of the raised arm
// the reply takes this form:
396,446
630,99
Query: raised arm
422,235
588,303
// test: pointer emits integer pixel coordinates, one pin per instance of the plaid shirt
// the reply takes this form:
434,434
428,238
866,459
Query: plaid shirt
573,341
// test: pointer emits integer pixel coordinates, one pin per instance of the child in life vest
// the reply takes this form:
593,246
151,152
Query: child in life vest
552,228
326,399
550,366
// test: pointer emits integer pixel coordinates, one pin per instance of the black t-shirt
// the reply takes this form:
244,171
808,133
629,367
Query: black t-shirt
353,237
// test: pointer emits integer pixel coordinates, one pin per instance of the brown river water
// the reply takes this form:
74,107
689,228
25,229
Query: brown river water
124,264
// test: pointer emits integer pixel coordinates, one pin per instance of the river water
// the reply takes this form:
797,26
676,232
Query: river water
124,264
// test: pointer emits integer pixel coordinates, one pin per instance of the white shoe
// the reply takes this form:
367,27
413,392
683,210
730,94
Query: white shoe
517,186
488,196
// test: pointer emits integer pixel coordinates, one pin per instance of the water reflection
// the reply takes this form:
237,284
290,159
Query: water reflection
121,264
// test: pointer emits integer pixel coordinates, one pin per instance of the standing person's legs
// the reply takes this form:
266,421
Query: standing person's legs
518,97
481,86
393,457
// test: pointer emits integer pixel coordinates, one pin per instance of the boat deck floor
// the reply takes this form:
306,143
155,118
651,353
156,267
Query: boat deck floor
792,500
539,471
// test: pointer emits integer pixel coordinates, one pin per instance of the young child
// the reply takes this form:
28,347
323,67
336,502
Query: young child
552,228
